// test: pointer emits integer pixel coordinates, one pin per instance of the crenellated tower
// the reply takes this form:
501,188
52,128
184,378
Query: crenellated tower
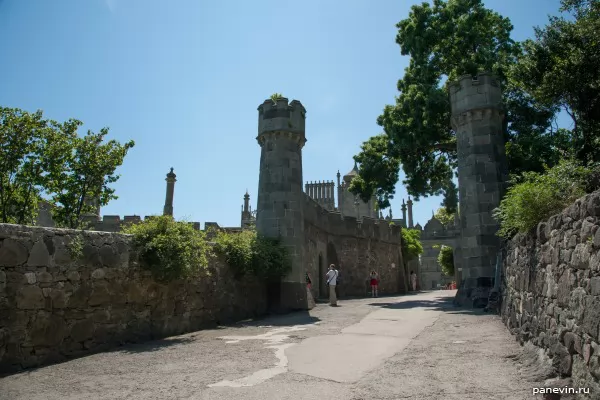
281,136
477,118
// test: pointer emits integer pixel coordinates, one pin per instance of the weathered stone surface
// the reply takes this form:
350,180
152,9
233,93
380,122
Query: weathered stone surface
30,277
73,276
82,330
98,274
67,308
39,255
30,298
564,315
44,277
12,253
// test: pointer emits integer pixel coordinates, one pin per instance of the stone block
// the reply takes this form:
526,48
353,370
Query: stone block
44,277
82,330
591,316
39,255
12,253
30,298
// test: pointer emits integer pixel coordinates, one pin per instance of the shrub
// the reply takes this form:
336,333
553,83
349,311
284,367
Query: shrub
247,252
535,197
169,249
411,244
445,260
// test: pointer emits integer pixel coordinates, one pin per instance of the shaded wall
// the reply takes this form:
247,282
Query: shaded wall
355,248
551,290
55,305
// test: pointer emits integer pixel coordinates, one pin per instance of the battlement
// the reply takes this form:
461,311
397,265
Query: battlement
276,116
334,223
474,93
114,223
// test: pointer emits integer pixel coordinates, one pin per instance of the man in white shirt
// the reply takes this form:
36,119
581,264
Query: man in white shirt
331,277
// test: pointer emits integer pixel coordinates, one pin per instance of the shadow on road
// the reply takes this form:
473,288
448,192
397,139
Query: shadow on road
154,345
441,304
293,318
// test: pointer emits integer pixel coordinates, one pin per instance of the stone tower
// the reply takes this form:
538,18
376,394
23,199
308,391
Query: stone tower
168,209
477,116
281,136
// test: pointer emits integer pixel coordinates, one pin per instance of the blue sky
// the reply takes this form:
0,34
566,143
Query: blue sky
183,78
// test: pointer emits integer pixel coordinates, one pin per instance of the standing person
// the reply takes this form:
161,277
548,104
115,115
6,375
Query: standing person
374,280
308,281
331,277
413,280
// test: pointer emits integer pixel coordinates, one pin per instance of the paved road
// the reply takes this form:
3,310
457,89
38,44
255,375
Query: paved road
409,347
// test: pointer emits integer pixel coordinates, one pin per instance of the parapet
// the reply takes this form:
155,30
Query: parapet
114,223
475,92
274,116
334,223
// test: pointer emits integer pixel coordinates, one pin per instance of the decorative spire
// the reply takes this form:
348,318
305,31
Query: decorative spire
171,174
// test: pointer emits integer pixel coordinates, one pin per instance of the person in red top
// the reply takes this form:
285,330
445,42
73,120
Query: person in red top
374,280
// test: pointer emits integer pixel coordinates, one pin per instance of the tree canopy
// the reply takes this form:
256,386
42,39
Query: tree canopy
444,41
411,244
45,159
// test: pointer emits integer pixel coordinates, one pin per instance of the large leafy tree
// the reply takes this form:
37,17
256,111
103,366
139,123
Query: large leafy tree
84,183
42,158
32,152
560,68
444,41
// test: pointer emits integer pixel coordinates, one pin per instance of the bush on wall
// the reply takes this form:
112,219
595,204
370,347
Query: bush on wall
533,197
247,252
169,249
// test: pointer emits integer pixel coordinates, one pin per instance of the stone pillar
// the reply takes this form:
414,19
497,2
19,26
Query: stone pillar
281,136
404,214
168,209
410,214
477,116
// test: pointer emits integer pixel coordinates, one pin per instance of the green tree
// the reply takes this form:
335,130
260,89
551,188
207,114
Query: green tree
411,244
444,216
444,41
84,182
445,260
42,158
560,69
32,153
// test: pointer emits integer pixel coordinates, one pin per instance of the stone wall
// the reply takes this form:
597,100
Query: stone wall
355,248
551,293
55,305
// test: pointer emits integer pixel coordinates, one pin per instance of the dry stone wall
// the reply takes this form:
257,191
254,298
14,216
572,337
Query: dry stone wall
551,294
66,293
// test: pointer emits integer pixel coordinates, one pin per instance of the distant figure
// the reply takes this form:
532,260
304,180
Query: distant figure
413,280
374,281
308,281
331,277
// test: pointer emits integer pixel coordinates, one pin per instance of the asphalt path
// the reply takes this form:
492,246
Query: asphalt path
408,347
